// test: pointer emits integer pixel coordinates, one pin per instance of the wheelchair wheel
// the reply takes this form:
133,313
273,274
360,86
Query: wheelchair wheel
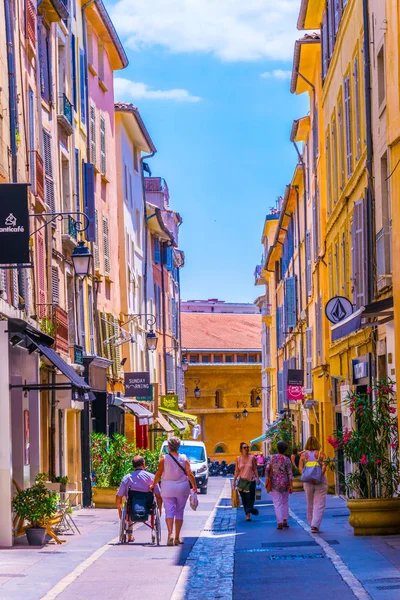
122,528
157,526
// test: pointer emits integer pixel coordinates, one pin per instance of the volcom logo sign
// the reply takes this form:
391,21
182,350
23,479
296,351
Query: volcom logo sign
338,309
11,225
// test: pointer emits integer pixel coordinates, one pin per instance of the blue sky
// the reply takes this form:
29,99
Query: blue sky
211,80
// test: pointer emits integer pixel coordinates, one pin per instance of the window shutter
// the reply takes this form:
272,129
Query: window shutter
170,373
48,171
359,255
103,159
331,26
14,281
55,286
73,62
267,346
315,136
325,51
279,327
280,391
309,359
338,15
77,181
169,262
318,327
347,110
334,161
329,172
284,380
41,273
82,330
290,302
308,264
96,244
315,225
82,85
93,133
26,290
106,247
31,123
117,349
357,107
89,200
341,145
157,251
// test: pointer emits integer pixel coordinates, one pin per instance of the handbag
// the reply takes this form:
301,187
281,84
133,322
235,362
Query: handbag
312,472
235,498
268,481
193,500
244,485
181,468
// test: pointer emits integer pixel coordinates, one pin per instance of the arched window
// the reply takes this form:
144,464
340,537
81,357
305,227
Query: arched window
220,449
218,399
255,447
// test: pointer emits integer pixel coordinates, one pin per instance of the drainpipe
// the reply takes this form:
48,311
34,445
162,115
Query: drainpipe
369,161
164,319
11,90
296,189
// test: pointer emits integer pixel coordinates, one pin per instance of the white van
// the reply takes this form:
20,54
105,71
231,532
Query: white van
197,455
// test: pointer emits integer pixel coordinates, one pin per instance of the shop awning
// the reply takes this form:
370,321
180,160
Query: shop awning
144,415
263,437
192,419
181,425
162,421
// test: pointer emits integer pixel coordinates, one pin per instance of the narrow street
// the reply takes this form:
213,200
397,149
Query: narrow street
223,557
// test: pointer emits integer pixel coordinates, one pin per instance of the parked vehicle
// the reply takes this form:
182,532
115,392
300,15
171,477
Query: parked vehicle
197,455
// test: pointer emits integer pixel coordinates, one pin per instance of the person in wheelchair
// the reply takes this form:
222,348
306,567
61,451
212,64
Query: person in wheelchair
135,487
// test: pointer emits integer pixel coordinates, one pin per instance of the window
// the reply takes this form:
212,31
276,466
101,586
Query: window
384,236
338,15
194,358
96,243
329,171
309,385
101,56
318,326
315,136
45,63
279,326
31,119
280,391
157,250
344,264
308,264
217,358
220,449
205,358
315,223
290,302
90,44
93,133
252,358
336,269
357,107
335,162
48,171
82,86
82,331
229,358
241,358
218,399
380,65
170,366
106,246
331,26
359,266
157,296
55,286
91,321
130,191
135,159
139,229
73,72
103,158
325,45
341,144
71,310
267,346
349,141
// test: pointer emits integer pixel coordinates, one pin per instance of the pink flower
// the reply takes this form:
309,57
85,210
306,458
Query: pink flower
369,391
391,409
364,459
393,445
378,461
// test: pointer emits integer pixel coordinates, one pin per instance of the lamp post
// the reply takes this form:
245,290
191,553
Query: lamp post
151,336
82,259
184,364
245,412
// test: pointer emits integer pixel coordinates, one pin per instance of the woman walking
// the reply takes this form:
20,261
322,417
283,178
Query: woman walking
280,474
175,472
245,478
313,459
295,458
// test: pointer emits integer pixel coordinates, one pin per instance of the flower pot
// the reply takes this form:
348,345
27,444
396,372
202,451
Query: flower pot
376,516
297,485
36,536
104,497
63,488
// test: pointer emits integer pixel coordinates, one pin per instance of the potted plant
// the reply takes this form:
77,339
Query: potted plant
372,447
37,506
63,480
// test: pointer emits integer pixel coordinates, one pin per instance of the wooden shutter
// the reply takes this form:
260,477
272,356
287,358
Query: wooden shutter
73,71
309,359
318,327
357,107
77,181
82,87
347,110
308,264
290,302
329,172
335,161
31,123
315,136
325,45
279,335
315,225
103,159
96,244
359,266
41,274
93,153
267,346
26,290
338,15
280,391
157,251
55,285
331,25
106,246
341,145
170,373
284,380
48,171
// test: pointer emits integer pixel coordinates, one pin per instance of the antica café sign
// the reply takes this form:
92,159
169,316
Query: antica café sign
295,384
14,224
137,384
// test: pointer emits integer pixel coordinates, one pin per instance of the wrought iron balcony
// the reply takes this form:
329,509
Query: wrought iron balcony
65,115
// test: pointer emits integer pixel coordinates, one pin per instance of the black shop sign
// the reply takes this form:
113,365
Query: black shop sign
14,224
137,384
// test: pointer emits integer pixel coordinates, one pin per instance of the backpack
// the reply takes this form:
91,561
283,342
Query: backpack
312,471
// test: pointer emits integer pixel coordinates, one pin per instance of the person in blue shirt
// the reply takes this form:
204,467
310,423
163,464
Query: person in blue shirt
138,480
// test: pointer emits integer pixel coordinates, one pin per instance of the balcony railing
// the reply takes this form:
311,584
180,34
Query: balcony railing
54,322
30,22
65,114
70,227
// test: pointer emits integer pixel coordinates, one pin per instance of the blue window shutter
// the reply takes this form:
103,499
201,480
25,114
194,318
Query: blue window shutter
88,177
82,85
170,261
280,390
290,302
308,264
73,61
157,251
77,181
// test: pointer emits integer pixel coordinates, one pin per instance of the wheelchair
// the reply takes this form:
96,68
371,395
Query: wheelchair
140,507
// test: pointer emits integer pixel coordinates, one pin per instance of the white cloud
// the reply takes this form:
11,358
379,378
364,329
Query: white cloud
276,74
125,89
232,30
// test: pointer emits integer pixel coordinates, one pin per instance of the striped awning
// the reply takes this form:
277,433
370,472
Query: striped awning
192,419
